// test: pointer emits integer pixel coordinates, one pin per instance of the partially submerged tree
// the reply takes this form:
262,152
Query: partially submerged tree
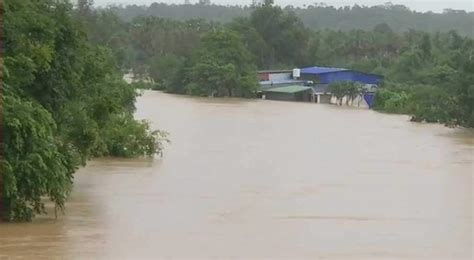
348,89
64,103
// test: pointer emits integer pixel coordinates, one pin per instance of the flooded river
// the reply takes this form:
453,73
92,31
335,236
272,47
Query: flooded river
266,179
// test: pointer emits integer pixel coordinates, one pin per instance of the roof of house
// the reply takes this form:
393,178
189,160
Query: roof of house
321,70
274,71
288,89
282,81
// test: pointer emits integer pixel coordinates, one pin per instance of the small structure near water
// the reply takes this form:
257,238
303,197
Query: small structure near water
290,93
278,78
311,84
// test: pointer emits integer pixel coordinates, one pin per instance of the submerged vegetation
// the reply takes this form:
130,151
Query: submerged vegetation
347,89
64,102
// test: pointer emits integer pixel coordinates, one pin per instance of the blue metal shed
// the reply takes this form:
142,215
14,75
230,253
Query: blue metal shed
327,75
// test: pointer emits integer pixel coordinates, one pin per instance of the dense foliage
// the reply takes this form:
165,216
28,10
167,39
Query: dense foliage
64,102
221,66
284,36
427,75
36,164
319,16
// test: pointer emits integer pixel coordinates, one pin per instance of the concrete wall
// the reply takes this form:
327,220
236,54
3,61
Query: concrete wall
279,76
278,84
325,99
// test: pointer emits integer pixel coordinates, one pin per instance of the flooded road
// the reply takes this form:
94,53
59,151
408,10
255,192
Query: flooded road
266,179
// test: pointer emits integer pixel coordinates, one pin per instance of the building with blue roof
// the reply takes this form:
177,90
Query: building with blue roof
322,77
318,79
328,75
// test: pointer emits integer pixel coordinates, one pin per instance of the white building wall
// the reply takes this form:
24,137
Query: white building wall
279,76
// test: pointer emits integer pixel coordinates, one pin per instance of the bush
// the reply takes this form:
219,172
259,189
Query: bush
127,137
432,104
393,98
396,103
195,89
158,86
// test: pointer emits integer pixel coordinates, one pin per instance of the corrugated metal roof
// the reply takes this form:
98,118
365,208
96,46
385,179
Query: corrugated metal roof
321,70
288,89
277,82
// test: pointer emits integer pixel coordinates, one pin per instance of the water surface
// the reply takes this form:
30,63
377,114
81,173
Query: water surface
267,179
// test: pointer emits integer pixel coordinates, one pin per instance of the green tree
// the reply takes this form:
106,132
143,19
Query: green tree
222,66
348,89
339,90
283,33
401,46
164,69
35,164
318,16
253,41
64,103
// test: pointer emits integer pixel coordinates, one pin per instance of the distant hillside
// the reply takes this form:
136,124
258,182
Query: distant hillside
398,17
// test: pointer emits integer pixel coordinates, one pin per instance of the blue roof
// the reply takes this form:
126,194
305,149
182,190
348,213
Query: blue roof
283,81
321,70
328,75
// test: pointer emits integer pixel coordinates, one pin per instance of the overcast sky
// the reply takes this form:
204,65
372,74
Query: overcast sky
418,5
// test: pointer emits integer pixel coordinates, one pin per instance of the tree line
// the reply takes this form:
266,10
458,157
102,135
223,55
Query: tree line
317,16
427,75
64,102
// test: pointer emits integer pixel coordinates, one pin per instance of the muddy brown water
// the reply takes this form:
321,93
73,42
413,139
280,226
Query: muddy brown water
266,179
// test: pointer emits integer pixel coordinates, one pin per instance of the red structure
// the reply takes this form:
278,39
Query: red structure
265,75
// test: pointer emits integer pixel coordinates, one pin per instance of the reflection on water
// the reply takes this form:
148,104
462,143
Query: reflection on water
267,179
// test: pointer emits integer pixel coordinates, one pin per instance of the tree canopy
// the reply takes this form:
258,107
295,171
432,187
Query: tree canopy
429,70
318,16
64,103
221,66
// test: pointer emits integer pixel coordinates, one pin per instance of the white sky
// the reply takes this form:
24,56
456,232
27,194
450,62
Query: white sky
418,5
